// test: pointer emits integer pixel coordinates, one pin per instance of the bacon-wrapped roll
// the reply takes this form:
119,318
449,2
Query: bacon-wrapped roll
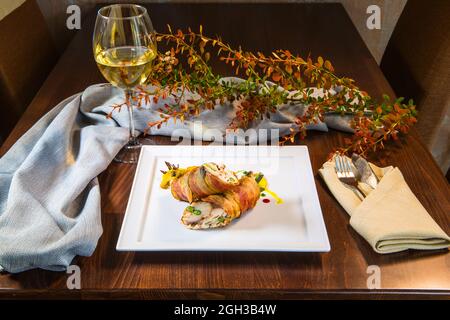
218,210
202,181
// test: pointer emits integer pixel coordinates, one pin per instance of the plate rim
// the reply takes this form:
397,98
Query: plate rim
319,247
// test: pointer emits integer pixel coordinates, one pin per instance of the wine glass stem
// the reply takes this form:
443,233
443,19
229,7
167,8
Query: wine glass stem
133,138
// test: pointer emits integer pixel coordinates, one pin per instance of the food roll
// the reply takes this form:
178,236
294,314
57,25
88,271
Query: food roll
202,181
218,210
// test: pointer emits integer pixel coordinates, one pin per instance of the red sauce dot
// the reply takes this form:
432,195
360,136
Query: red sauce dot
266,200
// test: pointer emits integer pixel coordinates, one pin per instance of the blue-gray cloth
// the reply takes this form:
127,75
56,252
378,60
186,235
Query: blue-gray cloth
49,192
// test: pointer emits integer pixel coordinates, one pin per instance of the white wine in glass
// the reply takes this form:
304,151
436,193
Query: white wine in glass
126,67
124,49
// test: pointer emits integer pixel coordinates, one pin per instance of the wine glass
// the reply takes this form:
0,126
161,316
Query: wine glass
124,48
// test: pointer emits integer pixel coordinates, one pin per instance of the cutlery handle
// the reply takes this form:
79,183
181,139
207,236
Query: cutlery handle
356,190
359,190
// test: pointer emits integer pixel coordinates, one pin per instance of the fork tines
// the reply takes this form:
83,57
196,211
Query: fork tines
343,167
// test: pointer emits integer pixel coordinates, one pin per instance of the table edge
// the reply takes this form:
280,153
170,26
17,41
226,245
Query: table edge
225,294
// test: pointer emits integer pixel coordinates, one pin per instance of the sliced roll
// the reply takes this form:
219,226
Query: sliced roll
202,215
199,182
218,210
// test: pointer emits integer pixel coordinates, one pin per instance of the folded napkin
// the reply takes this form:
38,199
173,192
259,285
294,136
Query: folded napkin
49,193
390,218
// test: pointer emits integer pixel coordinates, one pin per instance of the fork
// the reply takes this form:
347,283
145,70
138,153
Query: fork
347,176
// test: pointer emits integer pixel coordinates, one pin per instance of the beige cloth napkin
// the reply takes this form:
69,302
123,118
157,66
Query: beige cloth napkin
390,218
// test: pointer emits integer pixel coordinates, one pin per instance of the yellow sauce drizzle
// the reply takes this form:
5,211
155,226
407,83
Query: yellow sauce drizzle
173,174
263,185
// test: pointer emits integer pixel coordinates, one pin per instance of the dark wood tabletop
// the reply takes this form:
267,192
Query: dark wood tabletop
316,29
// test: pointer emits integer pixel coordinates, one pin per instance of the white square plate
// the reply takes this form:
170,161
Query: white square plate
152,219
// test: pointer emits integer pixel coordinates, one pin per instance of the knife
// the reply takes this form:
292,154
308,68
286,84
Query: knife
365,172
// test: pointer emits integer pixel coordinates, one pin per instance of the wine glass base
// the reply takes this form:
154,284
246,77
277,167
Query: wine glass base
129,154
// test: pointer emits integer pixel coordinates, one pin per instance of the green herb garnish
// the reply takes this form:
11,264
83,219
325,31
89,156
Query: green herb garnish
192,210
258,177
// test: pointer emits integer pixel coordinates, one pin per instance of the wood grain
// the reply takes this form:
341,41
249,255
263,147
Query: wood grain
339,273
376,40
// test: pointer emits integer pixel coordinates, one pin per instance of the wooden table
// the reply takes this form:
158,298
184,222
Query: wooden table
319,29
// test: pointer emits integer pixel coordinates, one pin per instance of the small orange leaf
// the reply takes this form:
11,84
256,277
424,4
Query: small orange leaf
328,66
320,61
276,76
288,68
